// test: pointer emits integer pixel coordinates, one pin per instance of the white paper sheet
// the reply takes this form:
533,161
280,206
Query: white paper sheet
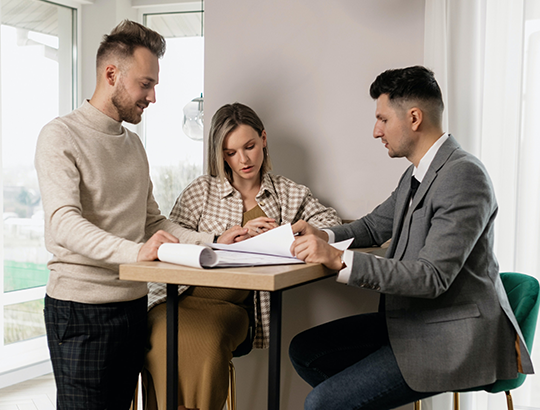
275,242
343,245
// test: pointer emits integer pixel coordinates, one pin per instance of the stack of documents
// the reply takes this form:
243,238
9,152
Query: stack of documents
269,248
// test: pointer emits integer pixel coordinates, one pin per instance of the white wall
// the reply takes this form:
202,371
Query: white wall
305,66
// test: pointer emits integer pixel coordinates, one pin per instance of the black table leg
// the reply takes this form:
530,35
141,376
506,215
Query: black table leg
274,357
172,347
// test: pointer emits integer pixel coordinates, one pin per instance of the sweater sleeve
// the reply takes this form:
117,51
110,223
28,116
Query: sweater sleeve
56,162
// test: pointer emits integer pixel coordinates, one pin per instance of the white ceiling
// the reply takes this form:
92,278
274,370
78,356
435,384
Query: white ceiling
42,17
176,24
31,15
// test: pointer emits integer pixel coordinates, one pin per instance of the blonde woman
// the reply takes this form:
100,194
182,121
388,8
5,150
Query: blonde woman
238,199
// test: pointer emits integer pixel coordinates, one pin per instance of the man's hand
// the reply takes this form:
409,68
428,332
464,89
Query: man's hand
311,248
148,252
234,234
302,228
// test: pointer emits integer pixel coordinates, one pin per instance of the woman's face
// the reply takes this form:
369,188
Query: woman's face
243,152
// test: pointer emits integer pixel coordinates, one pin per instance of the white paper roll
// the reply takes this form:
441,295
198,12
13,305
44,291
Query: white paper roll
195,256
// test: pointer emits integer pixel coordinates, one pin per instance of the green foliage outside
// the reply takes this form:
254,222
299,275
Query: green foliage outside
23,321
24,275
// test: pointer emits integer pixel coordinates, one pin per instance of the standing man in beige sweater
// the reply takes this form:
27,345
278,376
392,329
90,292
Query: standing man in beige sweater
99,213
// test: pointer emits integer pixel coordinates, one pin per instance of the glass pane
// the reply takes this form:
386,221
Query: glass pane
23,321
30,98
24,275
36,86
175,159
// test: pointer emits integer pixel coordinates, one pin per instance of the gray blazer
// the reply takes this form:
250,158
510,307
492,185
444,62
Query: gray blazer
449,321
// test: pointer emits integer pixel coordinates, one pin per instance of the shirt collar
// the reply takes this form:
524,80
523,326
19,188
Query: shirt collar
423,166
266,185
227,189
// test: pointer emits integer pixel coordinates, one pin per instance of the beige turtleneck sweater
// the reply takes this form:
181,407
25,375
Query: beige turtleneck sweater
97,197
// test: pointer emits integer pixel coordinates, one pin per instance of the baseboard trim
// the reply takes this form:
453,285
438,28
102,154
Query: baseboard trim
21,374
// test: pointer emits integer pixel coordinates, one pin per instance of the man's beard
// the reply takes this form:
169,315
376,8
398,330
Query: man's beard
127,111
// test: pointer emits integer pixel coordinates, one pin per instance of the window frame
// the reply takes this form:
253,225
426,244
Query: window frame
145,11
30,358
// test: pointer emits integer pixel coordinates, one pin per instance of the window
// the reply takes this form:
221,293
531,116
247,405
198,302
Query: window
37,85
175,157
494,100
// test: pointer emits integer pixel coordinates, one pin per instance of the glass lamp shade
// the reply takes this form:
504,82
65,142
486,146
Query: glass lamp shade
192,124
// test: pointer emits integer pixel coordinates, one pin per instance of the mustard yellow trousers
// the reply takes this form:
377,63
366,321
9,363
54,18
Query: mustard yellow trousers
212,322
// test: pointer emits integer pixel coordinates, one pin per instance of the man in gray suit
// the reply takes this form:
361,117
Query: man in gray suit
444,321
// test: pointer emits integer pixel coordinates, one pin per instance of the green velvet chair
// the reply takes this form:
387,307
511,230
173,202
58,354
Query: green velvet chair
522,291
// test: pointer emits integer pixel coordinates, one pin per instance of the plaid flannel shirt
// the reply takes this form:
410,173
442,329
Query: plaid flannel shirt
208,205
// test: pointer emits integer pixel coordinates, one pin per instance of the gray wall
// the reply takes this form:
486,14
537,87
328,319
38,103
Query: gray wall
305,66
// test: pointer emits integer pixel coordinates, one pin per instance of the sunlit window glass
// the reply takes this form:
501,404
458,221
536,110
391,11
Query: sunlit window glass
175,153
36,86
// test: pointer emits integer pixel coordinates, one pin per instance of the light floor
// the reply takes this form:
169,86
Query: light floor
40,394
35,394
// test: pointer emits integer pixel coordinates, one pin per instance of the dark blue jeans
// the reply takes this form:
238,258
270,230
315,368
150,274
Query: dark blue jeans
97,352
350,364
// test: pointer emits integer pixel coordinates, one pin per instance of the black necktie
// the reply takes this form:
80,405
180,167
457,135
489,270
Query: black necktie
414,186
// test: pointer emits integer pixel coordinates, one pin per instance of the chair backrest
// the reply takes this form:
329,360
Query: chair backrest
523,295
522,291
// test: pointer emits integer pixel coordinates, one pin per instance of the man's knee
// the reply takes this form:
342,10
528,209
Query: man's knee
297,351
318,400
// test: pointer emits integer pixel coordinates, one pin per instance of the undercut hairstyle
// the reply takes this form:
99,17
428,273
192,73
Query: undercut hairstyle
125,38
227,119
411,85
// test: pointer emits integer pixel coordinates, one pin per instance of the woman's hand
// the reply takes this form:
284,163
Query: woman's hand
234,234
259,225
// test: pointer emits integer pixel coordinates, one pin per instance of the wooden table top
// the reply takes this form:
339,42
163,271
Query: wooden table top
254,278
267,278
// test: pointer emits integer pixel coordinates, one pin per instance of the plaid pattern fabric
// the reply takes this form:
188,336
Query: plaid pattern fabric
97,352
208,205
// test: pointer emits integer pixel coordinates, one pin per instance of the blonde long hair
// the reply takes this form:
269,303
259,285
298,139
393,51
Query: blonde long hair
225,121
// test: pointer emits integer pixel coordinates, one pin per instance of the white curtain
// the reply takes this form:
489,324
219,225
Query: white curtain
486,57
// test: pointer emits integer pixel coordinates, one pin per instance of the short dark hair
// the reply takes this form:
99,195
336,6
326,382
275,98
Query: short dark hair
126,37
227,119
414,83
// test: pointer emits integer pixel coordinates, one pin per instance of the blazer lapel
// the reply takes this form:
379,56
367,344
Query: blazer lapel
442,156
402,204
